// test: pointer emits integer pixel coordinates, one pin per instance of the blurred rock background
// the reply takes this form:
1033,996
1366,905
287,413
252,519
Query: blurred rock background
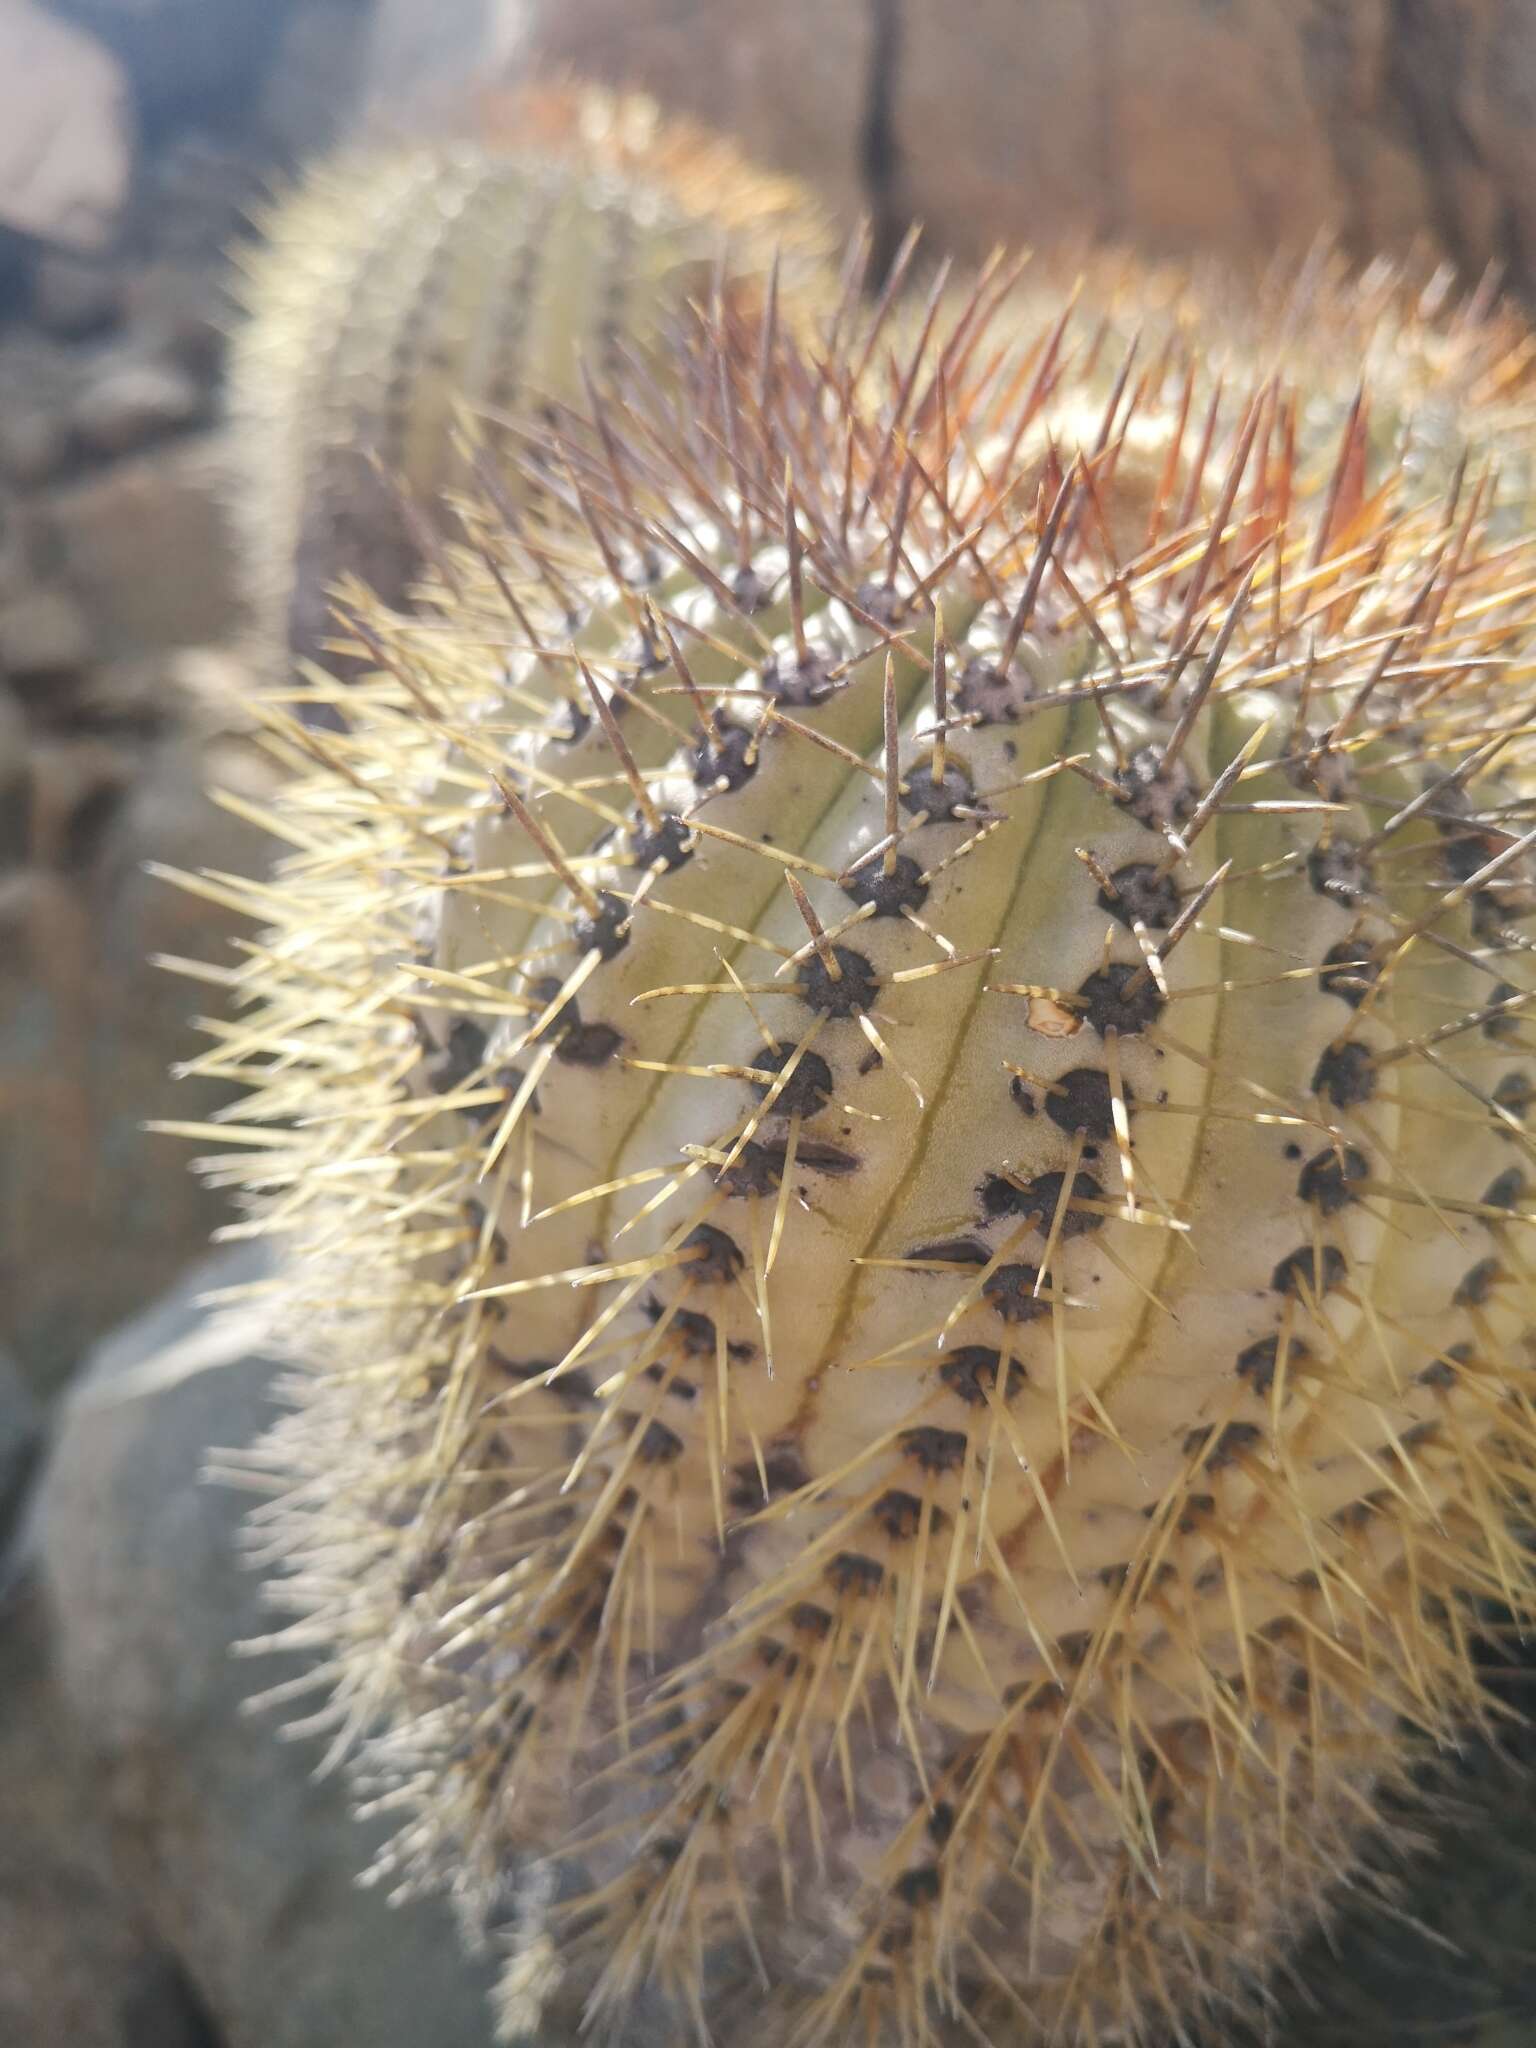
170,1875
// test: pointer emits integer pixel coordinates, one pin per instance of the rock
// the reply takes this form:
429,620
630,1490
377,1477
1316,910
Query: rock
194,206
96,1214
66,132
1177,125
21,566
34,447
144,547
789,82
15,792
431,56
1225,126
315,77
195,197
43,638
21,1439
74,296
183,58
243,1861
18,255
181,309
78,786
133,403
39,382
1450,1961
80,1966
1497,103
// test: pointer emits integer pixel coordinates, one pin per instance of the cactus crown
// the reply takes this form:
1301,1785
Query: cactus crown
892,1056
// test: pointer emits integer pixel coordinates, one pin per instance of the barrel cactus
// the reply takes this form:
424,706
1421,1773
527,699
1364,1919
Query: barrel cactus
890,1076
408,297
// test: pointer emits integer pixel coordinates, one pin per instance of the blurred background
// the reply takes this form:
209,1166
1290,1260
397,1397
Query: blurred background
171,1876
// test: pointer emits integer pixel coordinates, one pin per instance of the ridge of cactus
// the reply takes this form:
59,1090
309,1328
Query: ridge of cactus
405,298
891,1076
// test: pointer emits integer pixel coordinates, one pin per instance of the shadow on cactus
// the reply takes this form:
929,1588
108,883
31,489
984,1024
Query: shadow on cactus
406,298
891,1069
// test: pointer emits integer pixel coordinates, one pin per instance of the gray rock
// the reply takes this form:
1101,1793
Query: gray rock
39,382
66,130
433,54
133,403
21,1440
34,447
243,1862
182,56
144,545
74,296
15,791
78,1967
97,1215
791,83
182,309
43,638
314,78
195,197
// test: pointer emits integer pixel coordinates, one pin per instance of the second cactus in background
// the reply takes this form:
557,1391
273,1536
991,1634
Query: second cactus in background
403,298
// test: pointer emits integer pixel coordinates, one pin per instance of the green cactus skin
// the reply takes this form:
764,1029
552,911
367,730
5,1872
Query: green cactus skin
404,299
899,1133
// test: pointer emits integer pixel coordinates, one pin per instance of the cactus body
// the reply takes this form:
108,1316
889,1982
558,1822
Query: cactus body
901,1074
405,298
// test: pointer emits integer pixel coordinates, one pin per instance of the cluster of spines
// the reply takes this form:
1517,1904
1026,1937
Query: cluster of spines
1375,631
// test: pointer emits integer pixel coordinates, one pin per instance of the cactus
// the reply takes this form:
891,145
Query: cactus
404,295
891,1072
1432,371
